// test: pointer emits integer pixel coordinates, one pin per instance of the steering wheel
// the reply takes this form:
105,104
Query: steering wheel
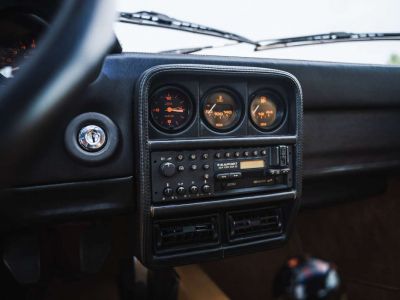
72,49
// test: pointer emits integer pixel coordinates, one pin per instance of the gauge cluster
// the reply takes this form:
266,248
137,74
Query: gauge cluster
200,109
19,35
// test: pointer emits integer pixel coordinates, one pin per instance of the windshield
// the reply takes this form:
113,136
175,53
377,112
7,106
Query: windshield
260,20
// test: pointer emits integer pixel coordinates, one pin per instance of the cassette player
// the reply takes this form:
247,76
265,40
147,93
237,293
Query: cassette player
214,173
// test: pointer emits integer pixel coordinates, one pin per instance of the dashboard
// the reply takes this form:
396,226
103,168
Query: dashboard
205,155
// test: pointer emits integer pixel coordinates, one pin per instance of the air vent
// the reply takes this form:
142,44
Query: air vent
254,223
174,235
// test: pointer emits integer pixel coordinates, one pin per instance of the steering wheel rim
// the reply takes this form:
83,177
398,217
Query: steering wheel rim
81,33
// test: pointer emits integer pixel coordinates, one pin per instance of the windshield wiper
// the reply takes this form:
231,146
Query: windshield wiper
149,18
326,38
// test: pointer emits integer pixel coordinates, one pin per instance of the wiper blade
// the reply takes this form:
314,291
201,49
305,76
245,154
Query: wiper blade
149,18
186,50
332,37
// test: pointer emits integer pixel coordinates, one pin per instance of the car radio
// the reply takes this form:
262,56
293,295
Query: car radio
211,173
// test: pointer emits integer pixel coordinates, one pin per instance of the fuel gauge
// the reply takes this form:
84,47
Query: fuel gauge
266,111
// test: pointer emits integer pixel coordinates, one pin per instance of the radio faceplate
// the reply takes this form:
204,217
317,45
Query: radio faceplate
212,173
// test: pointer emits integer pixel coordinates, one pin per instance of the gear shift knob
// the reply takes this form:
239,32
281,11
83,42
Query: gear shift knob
306,278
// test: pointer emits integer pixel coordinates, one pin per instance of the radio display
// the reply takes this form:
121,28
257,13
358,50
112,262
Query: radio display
252,164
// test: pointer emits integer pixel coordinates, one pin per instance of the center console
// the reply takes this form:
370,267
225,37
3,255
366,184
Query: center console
218,161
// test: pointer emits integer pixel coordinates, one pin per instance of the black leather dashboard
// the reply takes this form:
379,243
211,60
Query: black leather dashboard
350,117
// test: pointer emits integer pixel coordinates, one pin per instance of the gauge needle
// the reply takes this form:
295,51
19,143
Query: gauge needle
255,110
178,109
210,111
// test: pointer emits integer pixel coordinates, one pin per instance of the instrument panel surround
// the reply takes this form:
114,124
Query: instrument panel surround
198,80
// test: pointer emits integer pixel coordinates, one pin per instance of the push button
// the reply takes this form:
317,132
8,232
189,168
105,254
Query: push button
223,176
235,175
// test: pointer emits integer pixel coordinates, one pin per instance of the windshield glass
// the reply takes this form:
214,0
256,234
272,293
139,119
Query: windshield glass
260,20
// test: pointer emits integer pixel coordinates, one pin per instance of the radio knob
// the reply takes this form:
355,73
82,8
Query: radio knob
168,192
181,190
168,169
206,188
193,189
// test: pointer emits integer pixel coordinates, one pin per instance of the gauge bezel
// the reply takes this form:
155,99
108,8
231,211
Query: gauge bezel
280,109
239,105
192,110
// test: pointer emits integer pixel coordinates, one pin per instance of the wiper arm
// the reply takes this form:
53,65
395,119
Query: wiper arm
332,37
149,18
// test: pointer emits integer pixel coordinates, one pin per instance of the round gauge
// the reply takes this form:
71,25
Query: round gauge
221,110
266,110
171,109
19,33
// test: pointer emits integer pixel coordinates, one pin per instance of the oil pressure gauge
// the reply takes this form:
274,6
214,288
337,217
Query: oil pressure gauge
221,110
266,110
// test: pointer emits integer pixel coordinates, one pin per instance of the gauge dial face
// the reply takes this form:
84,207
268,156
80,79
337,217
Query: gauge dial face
221,110
171,109
12,54
264,111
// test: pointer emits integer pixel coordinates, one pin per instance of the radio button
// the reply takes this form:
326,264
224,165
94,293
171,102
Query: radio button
181,190
235,175
168,192
193,189
223,176
206,188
